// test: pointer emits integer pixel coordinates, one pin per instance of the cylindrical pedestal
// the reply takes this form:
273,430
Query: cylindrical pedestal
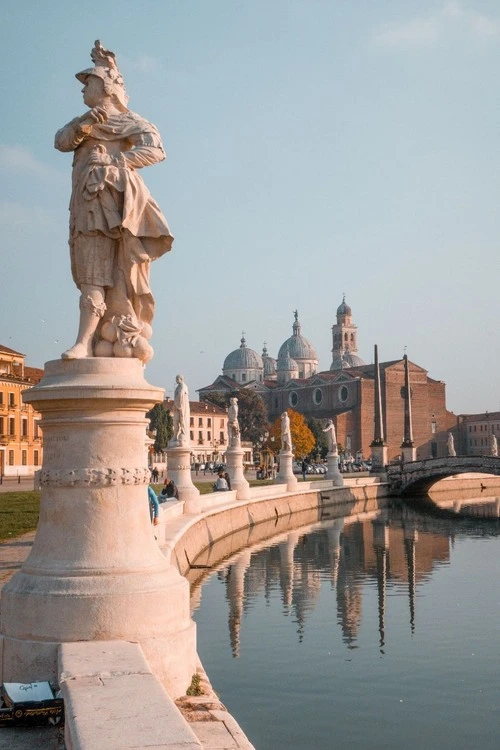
179,469
334,473
285,474
234,460
95,571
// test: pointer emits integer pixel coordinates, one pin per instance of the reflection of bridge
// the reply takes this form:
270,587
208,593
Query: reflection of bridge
418,476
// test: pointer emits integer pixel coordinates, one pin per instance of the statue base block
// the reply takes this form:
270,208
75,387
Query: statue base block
179,469
234,460
95,571
285,474
379,458
333,473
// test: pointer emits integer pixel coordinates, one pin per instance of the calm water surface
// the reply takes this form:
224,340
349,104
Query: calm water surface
360,633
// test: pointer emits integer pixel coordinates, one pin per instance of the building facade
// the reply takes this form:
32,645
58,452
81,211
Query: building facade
475,432
20,434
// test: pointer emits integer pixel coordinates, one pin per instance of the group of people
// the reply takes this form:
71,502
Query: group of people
223,482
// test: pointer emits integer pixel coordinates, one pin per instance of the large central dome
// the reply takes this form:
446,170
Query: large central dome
301,350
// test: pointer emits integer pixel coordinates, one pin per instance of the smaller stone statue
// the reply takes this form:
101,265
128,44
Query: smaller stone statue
233,427
181,414
493,445
286,436
451,445
331,437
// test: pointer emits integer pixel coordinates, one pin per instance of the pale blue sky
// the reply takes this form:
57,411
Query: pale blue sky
315,147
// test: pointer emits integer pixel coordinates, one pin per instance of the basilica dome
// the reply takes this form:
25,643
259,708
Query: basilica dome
345,360
301,350
269,365
243,364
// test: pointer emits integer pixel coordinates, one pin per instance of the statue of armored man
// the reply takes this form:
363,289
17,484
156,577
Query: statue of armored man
116,227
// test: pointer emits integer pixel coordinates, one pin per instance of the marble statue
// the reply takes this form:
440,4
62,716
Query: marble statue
493,445
232,424
181,414
331,436
286,437
451,445
116,227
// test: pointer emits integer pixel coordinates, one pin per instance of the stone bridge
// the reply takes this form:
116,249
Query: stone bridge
418,476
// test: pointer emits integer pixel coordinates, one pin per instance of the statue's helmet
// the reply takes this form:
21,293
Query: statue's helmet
106,69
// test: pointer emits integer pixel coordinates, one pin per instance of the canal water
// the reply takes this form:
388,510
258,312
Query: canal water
376,631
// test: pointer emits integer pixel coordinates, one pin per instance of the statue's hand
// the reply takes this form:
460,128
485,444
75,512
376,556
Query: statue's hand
94,116
99,156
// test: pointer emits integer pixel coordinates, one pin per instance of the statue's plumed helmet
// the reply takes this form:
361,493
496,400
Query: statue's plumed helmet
106,69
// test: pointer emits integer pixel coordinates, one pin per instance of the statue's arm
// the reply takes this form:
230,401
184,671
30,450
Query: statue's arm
71,135
146,150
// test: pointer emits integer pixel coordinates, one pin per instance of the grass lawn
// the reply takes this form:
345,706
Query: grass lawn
18,513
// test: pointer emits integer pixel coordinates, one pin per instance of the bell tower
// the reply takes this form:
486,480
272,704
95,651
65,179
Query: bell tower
344,334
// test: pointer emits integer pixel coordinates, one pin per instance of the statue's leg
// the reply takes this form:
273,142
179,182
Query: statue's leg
92,309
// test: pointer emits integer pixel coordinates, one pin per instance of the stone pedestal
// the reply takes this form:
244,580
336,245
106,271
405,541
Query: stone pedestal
334,473
408,453
234,460
379,458
285,474
179,469
95,572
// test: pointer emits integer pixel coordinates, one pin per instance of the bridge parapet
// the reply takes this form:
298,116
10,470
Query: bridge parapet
403,476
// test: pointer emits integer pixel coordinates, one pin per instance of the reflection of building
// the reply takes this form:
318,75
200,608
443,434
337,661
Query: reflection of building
350,556
345,392
475,431
20,438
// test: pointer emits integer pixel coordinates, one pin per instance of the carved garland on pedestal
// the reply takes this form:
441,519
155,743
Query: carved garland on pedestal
103,477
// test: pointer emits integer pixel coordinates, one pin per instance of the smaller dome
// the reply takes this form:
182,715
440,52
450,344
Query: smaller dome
349,359
286,363
269,363
343,308
243,359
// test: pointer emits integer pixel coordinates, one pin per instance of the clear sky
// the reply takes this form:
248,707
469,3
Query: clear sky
315,147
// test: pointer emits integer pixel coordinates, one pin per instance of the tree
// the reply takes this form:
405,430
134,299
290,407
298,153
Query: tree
252,412
302,438
316,427
160,420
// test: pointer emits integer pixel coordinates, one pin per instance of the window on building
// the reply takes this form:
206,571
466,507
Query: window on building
36,428
24,427
243,377
36,458
348,444
200,437
209,435
433,427
24,458
209,422
470,428
475,428
221,438
221,425
1,398
191,434
191,421
200,421
12,401
12,426
2,426
11,458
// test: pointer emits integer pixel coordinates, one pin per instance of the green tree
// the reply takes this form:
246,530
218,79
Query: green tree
160,420
252,412
316,426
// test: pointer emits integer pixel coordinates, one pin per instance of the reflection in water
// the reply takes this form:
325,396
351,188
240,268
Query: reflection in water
347,552
373,570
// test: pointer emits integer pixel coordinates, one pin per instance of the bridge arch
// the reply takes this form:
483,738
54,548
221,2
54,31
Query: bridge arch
419,476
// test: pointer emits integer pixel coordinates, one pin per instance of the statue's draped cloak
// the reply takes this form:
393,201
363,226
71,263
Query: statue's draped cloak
114,201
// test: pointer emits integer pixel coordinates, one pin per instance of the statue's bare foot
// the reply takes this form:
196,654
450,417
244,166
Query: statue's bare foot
78,351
